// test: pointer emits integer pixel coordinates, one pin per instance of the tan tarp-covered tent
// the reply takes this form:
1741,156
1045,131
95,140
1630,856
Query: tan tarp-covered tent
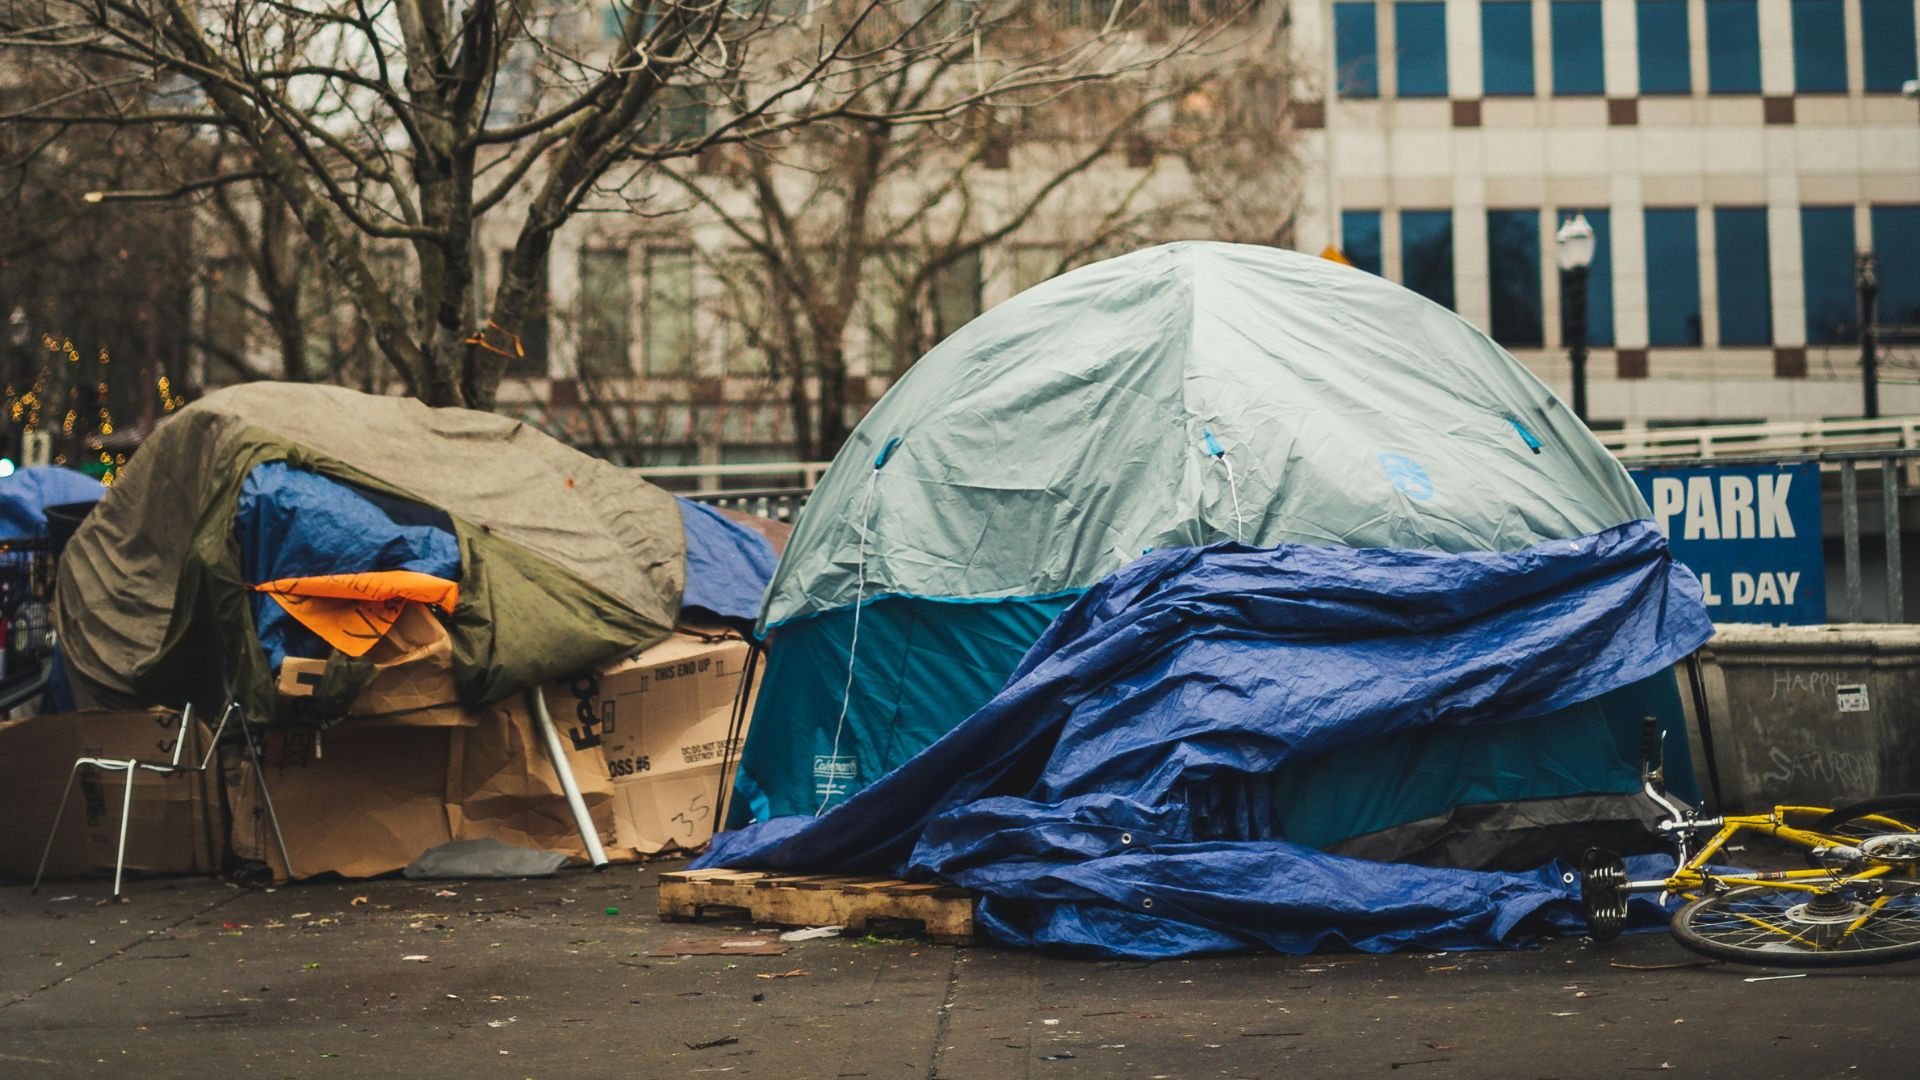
566,561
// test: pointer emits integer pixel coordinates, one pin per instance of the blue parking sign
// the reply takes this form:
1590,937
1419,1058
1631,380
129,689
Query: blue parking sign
1751,533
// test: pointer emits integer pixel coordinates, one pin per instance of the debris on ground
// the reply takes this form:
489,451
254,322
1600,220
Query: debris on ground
794,974
719,947
724,1040
812,933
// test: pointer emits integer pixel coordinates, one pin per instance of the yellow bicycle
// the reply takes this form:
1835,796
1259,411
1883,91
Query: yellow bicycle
1856,901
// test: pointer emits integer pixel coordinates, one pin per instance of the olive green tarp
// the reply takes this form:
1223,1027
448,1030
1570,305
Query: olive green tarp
566,560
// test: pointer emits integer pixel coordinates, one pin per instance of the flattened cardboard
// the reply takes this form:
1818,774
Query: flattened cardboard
505,786
356,801
368,796
172,829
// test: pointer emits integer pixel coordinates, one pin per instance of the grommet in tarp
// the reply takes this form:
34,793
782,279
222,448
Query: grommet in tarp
886,452
1146,904
1126,838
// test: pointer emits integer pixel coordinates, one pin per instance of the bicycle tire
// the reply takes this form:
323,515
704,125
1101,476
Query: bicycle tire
1771,926
1844,821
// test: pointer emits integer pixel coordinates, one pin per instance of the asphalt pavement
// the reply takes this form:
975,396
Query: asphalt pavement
560,978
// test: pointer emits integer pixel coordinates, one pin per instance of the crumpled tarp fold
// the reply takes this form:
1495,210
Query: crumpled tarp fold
1063,799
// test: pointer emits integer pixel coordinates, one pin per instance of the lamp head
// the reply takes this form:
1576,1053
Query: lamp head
1574,243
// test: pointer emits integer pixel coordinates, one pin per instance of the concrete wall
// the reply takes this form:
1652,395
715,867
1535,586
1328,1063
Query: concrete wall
1780,735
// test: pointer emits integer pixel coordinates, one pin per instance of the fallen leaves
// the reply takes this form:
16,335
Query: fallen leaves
794,974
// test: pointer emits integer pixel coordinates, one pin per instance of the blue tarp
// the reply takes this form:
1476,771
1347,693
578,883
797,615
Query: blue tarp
1063,799
294,523
728,564
25,496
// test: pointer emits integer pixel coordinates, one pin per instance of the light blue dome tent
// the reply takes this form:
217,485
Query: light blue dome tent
1176,397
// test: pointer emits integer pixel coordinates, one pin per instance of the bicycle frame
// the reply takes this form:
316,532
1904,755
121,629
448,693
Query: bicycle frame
1691,873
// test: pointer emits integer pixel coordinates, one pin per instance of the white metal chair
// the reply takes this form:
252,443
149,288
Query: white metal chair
172,766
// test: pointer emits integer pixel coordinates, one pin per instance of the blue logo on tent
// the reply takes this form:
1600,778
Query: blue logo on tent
1408,476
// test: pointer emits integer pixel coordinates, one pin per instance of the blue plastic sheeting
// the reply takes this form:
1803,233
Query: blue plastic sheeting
25,496
294,523
923,666
728,564
1061,799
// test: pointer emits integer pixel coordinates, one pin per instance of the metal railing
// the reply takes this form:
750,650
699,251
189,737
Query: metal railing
1783,438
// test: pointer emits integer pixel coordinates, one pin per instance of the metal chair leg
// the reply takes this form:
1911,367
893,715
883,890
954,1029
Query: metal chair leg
126,814
54,833
266,797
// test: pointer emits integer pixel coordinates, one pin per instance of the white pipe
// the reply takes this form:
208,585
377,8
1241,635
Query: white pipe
588,834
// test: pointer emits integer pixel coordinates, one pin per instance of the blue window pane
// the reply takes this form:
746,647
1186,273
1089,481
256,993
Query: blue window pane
1513,272
1599,272
1886,31
1360,238
1666,58
1420,47
1744,275
1819,47
1577,39
1426,253
1506,47
1356,51
1896,240
1826,265
1673,277
1733,47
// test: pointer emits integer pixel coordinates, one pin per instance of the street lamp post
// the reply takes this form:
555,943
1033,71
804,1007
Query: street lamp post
1866,278
1574,253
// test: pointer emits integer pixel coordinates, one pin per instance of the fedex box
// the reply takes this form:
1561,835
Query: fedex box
661,719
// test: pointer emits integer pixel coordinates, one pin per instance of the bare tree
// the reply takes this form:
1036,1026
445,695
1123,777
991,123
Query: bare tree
854,229
402,124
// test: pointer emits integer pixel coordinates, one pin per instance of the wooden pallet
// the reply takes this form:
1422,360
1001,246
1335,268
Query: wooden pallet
945,913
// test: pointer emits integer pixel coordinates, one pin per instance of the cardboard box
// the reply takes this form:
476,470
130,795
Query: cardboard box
661,722
368,796
413,684
174,827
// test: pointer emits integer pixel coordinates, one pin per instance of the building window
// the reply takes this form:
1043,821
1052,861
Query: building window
1733,46
531,361
1896,240
1035,263
1744,276
669,311
1513,272
1360,238
1420,48
1506,48
1426,254
1886,46
746,312
1819,47
606,306
1666,56
956,295
1673,277
1826,266
228,313
1356,50
1577,48
1599,276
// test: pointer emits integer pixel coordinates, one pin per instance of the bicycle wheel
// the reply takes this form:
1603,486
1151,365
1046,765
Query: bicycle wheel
1872,817
1869,921
1884,816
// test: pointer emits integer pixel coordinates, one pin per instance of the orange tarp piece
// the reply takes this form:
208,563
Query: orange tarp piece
353,611
1334,254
